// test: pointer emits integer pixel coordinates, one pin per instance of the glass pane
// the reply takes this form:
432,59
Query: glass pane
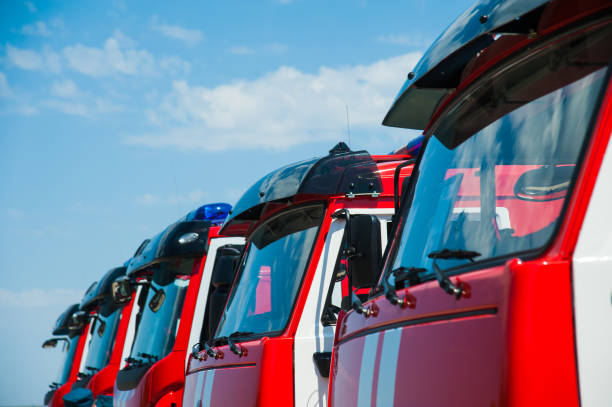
102,341
157,330
494,177
277,257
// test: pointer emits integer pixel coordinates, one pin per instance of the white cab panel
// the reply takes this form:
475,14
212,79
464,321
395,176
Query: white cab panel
592,283
200,307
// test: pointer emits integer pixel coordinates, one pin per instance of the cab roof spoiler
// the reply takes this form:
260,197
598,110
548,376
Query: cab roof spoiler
62,324
342,171
438,72
188,237
102,290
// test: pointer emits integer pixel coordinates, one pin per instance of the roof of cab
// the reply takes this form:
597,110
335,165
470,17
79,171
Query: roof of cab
102,289
188,237
341,171
61,326
438,71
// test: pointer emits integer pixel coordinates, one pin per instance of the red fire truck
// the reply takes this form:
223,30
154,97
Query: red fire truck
108,328
496,287
70,333
272,346
165,275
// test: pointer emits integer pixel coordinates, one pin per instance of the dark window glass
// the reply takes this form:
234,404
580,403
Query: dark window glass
102,340
270,279
69,350
496,172
157,330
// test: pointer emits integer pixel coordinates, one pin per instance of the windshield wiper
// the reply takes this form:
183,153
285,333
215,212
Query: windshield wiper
402,274
237,349
152,358
443,280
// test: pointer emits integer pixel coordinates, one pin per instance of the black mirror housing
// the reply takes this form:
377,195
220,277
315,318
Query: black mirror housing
122,290
365,238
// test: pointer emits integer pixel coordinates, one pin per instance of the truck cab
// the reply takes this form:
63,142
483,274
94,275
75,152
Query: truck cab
273,343
108,328
496,287
164,276
70,334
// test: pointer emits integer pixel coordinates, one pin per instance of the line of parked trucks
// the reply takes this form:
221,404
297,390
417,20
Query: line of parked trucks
472,267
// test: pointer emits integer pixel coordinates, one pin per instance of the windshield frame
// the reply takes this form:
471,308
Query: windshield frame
175,319
525,53
308,263
115,316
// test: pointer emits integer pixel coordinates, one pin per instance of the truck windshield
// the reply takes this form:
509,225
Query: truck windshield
157,330
495,173
69,350
275,264
104,329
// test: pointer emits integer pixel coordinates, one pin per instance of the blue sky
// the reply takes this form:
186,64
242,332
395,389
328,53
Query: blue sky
118,117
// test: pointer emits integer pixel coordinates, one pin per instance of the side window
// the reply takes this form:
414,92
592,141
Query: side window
224,271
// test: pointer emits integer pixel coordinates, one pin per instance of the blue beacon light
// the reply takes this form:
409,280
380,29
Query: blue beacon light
215,213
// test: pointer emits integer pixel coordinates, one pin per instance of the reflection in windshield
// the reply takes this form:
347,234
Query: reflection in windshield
275,264
101,346
494,177
157,330
69,350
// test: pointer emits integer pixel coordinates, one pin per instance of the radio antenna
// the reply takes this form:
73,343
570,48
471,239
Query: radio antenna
348,125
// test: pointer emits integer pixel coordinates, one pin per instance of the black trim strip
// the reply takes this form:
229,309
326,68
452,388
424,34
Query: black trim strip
423,320
250,364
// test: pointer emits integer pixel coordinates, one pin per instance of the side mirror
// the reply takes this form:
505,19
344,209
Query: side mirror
122,290
78,320
158,300
546,183
52,343
101,328
365,240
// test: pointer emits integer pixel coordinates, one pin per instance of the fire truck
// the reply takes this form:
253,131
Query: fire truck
272,345
164,278
496,287
70,333
108,328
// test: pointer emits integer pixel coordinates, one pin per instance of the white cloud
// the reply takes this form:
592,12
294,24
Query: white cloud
36,297
174,65
240,50
194,197
412,40
281,109
119,55
186,35
31,7
5,89
46,60
39,28
65,89
110,59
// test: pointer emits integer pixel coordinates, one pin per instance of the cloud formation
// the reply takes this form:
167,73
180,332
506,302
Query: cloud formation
36,297
38,28
186,35
279,110
30,60
118,55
